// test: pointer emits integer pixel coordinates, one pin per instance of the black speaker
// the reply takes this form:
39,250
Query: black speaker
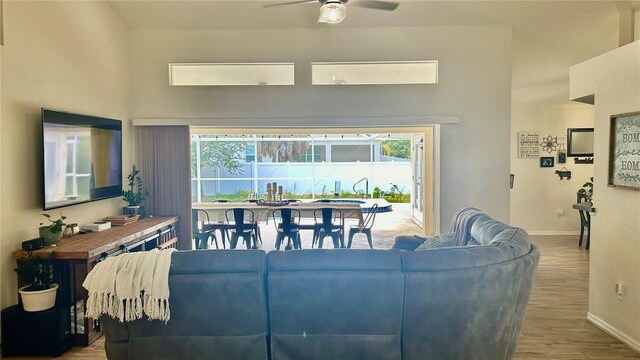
46,333
34,244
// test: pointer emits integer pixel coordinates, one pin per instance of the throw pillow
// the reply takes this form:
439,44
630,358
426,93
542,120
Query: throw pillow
437,241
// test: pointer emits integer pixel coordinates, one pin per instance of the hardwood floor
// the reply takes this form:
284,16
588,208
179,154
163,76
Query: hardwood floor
555,326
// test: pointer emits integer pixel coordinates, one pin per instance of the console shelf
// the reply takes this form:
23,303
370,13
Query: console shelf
76,255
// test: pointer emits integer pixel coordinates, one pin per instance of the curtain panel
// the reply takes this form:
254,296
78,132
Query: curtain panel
163,155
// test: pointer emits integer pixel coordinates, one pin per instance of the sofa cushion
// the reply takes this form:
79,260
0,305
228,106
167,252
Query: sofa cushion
335,304
460,314
484,229
218,297
437,241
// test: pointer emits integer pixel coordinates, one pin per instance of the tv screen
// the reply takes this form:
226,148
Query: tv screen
82,158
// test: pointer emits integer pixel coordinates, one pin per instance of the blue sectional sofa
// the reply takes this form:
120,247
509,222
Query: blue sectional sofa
463,302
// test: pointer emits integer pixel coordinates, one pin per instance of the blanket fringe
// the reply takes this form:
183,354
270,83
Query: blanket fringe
127,309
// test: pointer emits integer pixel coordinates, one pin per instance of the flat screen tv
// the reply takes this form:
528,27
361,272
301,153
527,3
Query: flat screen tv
82,158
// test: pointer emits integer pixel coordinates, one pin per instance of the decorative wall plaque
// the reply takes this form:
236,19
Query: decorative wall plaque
624,151
528,145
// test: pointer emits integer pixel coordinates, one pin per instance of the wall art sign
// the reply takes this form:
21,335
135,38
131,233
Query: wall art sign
547,161
528,145
624,151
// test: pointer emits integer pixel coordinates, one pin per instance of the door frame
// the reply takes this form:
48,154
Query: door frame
431,156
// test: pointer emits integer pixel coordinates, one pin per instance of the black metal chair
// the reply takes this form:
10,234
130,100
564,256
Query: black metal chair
201,232
329,222
243,225
365,228
585,220
252,201
288,228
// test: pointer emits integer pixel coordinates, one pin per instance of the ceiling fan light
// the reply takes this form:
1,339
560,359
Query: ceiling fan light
332,12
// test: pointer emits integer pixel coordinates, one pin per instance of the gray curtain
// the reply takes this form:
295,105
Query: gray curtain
163,155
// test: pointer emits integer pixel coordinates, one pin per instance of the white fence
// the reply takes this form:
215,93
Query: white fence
304,178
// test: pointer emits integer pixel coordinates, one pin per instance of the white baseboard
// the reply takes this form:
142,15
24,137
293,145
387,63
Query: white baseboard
547,233
626,339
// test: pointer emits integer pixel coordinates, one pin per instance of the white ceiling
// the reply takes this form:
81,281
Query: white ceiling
216,14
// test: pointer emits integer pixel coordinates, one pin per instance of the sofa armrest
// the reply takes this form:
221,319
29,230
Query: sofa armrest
116,336
408,242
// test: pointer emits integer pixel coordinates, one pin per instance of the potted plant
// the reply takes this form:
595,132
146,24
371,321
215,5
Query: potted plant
40,292
587,189
52,233
135,195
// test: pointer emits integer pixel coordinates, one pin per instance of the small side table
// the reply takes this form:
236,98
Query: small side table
46,333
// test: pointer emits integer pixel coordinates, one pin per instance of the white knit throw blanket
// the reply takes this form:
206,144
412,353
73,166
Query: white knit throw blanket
129,285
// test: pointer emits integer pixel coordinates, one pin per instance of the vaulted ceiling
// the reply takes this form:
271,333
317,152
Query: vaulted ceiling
548,36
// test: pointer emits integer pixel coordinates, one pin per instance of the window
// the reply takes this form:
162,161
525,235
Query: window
250,153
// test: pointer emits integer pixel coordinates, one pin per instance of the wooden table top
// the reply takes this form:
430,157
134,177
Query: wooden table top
92,245
262,212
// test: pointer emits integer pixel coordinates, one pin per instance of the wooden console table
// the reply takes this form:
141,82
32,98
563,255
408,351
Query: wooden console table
76,255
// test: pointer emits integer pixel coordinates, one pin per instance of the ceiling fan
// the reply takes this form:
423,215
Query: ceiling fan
334,11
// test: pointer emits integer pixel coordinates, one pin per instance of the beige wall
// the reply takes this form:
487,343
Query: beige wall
475,80
540,201
614,78
71,56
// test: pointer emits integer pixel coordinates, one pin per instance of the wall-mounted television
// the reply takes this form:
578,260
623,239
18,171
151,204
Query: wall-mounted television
580,142
82,158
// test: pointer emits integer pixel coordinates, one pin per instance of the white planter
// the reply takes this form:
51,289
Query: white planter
38,300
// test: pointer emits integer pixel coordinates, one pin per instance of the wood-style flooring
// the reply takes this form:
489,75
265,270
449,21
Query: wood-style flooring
555,326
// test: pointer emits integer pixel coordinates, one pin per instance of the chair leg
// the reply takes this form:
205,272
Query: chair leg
314,240
234,241
352,232
369,238
588,235
259,234
320,240
278,240
581,234
224,235
215,239
298,240
335,238
197,242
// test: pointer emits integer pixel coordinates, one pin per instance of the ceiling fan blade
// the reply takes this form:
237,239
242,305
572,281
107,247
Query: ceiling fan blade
289,3
375,4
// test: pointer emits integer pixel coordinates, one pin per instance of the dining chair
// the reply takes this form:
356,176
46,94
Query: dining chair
585,220
243,225
201,232
288,228
329,222
252,201
365,228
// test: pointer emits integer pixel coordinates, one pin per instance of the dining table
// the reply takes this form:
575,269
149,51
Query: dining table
263,212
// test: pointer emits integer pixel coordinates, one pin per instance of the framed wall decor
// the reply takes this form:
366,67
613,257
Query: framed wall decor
547,161
528,145
624,151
